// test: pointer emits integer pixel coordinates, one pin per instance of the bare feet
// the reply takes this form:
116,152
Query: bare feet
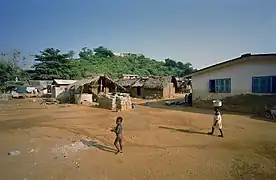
117,152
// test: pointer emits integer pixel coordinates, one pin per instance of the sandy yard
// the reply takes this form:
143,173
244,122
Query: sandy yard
74,142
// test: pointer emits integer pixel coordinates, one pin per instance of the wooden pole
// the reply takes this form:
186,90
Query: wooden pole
100,84
104,86
81,90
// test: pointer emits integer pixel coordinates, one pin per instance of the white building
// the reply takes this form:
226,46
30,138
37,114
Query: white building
129,76
121,54
125,54
250,73
59,86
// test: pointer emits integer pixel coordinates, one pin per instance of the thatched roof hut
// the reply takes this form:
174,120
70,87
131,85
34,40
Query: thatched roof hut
140,82
82,82
88,89
127,82
159,82
93,80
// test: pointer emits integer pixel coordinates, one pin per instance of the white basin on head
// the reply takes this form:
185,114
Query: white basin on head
217,103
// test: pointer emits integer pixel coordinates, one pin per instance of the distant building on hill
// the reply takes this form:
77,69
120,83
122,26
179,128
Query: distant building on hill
125,54
120,54
129,76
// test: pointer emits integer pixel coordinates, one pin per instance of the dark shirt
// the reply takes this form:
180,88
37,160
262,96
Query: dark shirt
119,130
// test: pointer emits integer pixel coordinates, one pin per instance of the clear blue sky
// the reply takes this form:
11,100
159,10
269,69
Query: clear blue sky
202,32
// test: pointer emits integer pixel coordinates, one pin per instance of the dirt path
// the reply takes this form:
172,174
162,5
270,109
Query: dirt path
74,142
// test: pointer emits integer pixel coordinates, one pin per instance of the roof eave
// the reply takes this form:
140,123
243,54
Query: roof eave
215,66
226,63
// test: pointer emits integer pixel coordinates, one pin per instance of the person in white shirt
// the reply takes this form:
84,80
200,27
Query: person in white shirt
217,122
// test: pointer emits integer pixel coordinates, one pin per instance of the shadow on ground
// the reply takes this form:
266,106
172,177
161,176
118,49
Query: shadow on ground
183,130
259,118
161,104
95,144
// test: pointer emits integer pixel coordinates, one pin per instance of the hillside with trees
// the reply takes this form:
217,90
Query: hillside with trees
52,64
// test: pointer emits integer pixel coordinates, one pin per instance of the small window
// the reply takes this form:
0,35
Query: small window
220,85
264,84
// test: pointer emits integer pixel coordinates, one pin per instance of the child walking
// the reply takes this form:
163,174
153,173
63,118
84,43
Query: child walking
217,122
118,130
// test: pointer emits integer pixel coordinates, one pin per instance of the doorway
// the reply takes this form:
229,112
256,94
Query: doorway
138,91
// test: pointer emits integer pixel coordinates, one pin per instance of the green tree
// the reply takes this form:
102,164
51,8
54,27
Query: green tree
170,63
103,52
86,53
51,64
179,68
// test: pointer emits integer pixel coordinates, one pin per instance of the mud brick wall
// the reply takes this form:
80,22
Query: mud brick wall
245,103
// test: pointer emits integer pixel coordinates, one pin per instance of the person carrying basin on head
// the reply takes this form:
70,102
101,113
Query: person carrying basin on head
217,122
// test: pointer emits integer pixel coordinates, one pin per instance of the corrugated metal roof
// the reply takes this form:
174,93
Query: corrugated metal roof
40,83
242,58
64,82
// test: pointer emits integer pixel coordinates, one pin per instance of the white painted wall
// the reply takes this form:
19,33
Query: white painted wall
241,77
44,91
83,98
58,90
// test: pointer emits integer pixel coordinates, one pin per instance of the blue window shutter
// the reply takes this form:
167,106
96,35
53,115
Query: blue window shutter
212,85
223,85
227,85
219,85
265,84
273,84
261,84
216,85
268,84
255,85
230,86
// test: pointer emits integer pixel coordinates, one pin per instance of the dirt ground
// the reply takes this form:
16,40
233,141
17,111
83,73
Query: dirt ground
160,142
